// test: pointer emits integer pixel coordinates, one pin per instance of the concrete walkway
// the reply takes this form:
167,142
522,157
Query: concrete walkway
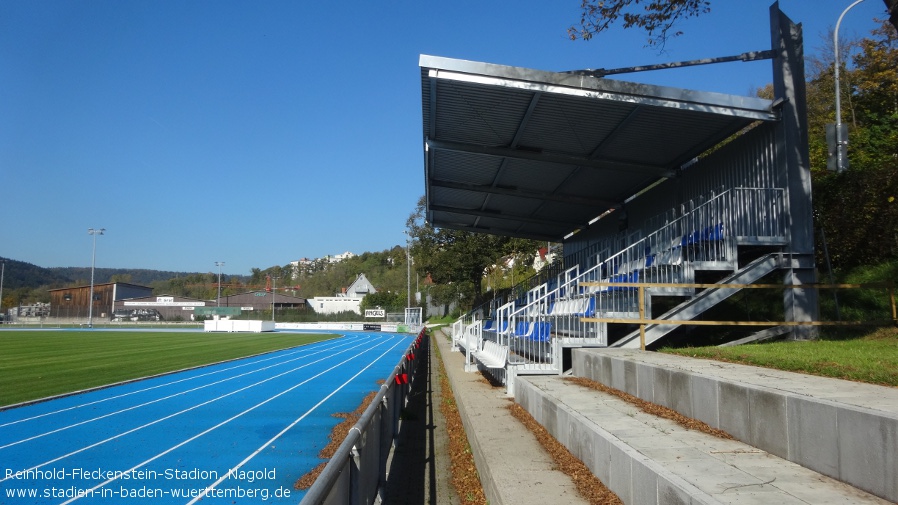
514,468
649,460
418,471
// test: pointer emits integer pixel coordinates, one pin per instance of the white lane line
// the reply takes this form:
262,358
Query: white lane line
151,423
156,400
288,428
208,430
135,407
95,402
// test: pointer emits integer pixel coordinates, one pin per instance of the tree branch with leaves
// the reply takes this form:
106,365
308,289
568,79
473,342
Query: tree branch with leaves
656,17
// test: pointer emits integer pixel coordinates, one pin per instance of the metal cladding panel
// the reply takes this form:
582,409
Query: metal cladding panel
464,167
556,150
469,113
534,175
566,212
665,135
567,125
458,198
604,185
454,219
514,205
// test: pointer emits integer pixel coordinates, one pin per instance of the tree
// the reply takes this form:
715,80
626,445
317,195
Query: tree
857,209
892,9
656,17
459,258
387,300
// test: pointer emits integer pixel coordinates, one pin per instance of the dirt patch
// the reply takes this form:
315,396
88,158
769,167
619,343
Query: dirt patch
461,460
336,437
589,486
651,408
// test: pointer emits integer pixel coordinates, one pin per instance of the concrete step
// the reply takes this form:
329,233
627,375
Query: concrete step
842,429
645,459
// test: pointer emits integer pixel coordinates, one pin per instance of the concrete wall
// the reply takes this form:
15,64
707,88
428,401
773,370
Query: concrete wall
856,445
237,325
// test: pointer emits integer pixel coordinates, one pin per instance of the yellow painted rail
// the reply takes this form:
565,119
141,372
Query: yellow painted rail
642,321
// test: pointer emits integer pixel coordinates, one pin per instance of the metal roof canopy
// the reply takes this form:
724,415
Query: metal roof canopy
533,154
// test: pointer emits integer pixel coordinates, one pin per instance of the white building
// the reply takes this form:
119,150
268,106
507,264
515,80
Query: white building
304,264
349,300
340,257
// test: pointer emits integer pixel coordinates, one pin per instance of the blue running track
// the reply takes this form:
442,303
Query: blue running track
237,432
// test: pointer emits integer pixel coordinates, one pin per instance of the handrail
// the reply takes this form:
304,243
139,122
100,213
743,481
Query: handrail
324,485
642,321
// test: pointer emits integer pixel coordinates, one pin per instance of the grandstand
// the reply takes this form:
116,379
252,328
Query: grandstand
653,191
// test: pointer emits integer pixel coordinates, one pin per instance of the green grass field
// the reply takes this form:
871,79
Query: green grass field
37,364
872,358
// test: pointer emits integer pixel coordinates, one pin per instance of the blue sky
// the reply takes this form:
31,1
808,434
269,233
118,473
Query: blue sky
257,133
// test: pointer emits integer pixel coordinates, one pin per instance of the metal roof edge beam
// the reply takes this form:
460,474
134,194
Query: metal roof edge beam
507,217
523,193
562,159
620,91
503,233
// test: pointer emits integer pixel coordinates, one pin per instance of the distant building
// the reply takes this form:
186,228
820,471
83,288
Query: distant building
544,256
305,264
349,300
74,302
157,308
340,257
262,300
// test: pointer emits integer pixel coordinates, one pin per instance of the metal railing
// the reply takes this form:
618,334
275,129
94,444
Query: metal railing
356,473
576,308
644,318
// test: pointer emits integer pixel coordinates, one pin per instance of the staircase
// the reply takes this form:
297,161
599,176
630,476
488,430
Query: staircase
703,301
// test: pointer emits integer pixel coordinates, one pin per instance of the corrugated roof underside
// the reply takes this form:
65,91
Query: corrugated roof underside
522,160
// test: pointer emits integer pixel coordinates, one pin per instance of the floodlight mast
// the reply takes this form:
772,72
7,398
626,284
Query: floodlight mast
408,270
2,272
93,260
219,264
274,293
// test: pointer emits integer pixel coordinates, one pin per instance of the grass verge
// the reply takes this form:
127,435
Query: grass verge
37,364
872,359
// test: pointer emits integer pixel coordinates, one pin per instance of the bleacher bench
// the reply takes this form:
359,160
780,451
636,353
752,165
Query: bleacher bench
493,355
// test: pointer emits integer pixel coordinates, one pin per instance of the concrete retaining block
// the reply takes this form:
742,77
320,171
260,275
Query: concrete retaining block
829,433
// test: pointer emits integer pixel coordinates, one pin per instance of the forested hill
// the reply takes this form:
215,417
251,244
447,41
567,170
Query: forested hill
132,275
26,283
19,274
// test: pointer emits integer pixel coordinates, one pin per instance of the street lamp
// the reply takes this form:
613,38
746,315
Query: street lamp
93,260
2,271
274,293
408,271
219,264
841,162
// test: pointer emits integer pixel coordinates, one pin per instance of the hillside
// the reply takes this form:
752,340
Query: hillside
26,283
19,274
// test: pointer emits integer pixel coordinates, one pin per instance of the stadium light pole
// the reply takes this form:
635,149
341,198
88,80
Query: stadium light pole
408,271
274,293
93,261
840,158
219,264
2,272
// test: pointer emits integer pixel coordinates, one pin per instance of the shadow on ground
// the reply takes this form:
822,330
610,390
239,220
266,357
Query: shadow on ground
412,472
